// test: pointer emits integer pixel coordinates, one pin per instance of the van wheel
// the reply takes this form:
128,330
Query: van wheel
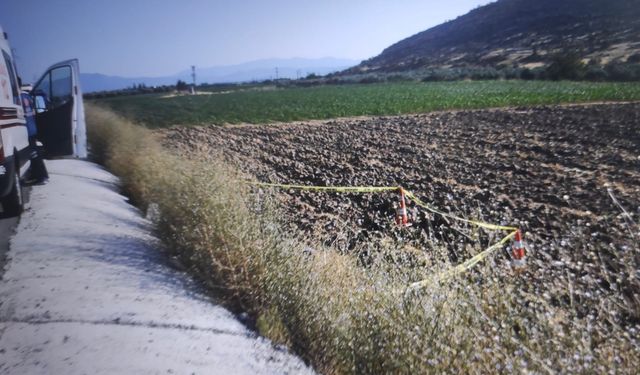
13,204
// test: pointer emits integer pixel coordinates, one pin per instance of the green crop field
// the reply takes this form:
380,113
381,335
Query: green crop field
323,102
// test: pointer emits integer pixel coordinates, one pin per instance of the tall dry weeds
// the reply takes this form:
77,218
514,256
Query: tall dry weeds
343,317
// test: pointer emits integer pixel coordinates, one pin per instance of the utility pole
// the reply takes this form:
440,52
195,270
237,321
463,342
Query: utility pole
276,73
193,76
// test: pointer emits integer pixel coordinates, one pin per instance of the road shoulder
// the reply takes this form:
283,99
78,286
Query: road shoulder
87,291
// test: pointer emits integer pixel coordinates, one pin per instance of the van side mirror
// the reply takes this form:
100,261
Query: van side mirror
40,101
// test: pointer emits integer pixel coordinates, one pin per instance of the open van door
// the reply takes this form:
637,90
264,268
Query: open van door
60,111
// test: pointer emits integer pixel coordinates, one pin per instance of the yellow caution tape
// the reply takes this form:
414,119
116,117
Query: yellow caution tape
377,189
462,267
481,224
453,271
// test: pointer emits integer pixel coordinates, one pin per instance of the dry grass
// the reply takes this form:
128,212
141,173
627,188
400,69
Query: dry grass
345,318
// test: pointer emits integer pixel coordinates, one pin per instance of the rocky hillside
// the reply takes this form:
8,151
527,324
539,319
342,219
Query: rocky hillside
520,33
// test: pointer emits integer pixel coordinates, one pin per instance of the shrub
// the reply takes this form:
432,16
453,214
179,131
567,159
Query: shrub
510,73
623,72
484,74
398,78
527,74
634,59
437,75
595,73
566,66
370,79
181,85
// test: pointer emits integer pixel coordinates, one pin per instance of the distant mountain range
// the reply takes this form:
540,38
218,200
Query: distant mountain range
520,33
250,71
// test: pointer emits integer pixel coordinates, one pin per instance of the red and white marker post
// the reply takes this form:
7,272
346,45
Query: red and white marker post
519,254
402,218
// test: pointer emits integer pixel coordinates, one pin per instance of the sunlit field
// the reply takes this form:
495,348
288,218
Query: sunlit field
271,104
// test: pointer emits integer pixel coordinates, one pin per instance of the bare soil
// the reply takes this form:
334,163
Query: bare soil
551,171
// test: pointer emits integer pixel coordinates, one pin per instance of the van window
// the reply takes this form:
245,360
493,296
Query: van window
12,78
60,85
44,87
54,89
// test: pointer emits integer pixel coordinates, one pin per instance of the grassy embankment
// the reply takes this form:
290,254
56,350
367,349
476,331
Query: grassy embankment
260,105
341,317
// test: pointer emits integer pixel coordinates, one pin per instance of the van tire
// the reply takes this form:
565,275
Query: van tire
13,204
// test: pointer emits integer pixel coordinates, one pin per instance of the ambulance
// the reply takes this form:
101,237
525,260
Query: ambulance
59,120
14,140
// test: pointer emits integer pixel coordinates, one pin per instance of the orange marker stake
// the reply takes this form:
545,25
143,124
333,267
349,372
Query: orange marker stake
519,255
401,214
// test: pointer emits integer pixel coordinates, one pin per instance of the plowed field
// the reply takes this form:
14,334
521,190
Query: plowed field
561,173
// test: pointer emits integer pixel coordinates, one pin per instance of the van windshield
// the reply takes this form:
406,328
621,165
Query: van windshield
12,78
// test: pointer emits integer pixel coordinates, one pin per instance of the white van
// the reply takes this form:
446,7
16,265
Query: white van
14,139
59,119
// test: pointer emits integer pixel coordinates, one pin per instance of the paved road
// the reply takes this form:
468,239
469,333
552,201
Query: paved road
7,229
7,226
86,291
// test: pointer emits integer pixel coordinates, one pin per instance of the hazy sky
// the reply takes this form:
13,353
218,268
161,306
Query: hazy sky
161,37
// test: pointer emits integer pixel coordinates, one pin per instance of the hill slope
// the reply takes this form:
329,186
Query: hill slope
521,33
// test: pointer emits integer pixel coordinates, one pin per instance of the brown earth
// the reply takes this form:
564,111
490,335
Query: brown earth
551,171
